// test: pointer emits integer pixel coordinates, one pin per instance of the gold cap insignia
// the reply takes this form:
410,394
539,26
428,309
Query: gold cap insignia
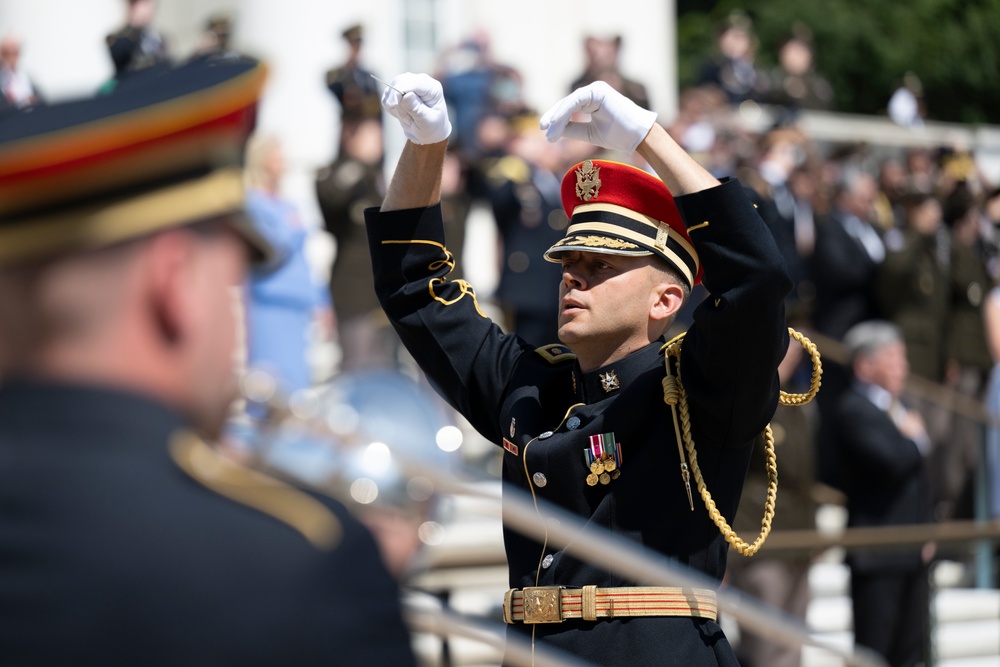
588,181
609,382
594,241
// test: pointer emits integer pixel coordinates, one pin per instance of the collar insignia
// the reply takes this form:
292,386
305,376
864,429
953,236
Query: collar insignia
588,181
609,382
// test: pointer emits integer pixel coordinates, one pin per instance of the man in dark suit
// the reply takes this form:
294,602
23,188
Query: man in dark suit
848,250
847,253
884,445
125,538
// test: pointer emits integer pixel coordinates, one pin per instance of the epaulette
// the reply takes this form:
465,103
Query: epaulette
555,353
279,500
510,168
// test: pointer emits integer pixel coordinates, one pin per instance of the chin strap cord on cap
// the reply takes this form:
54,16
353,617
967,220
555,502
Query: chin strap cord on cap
675,396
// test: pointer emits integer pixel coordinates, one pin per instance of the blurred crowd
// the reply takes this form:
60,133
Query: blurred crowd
909,237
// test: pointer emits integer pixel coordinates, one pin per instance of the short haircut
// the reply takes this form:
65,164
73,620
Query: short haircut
850,180
672,271
866,338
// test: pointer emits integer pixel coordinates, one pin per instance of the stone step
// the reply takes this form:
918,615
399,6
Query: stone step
969,639
981,661
957,605
967,628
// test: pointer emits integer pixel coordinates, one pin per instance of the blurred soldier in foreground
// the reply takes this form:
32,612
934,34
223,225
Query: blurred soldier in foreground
584,424
124,537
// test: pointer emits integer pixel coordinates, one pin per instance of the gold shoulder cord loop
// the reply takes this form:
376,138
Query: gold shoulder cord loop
675,396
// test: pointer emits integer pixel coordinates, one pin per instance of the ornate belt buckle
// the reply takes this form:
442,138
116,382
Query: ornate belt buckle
542,604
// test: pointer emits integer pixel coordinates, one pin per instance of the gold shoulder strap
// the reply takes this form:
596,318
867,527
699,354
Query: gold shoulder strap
675,396
264,493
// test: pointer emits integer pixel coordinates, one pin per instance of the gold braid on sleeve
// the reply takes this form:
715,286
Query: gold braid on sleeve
675,396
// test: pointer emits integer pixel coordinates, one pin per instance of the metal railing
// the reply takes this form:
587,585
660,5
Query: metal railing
521,512
563,530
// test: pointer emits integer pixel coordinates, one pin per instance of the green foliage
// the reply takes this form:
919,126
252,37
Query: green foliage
864,48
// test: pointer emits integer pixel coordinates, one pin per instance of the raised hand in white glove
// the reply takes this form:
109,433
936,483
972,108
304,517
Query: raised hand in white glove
616,122
421,109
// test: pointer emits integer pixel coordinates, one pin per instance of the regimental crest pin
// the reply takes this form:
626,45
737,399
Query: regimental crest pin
513,421
609,382
588,181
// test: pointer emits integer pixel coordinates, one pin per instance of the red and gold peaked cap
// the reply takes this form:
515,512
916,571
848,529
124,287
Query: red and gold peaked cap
618,209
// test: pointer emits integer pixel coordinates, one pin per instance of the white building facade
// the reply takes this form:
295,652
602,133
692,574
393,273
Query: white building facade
65,53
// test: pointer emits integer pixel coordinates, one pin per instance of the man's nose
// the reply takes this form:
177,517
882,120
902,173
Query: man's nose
572,278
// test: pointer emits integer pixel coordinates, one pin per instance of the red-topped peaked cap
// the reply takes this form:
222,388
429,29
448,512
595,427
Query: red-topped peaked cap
618,209
163,149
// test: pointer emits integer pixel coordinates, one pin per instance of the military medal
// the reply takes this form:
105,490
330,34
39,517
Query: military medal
603,459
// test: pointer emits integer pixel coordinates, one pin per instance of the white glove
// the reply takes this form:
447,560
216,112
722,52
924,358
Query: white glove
421,109
616,122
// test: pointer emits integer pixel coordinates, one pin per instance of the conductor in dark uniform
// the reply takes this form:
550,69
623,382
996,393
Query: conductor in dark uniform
583,423
126,538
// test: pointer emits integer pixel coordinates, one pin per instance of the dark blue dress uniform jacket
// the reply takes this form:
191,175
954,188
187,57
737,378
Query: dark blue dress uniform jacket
508,390
123,542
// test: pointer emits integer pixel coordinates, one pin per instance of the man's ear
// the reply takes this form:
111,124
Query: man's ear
669,301
169,273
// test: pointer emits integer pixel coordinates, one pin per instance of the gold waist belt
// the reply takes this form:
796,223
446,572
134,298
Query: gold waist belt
554,604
